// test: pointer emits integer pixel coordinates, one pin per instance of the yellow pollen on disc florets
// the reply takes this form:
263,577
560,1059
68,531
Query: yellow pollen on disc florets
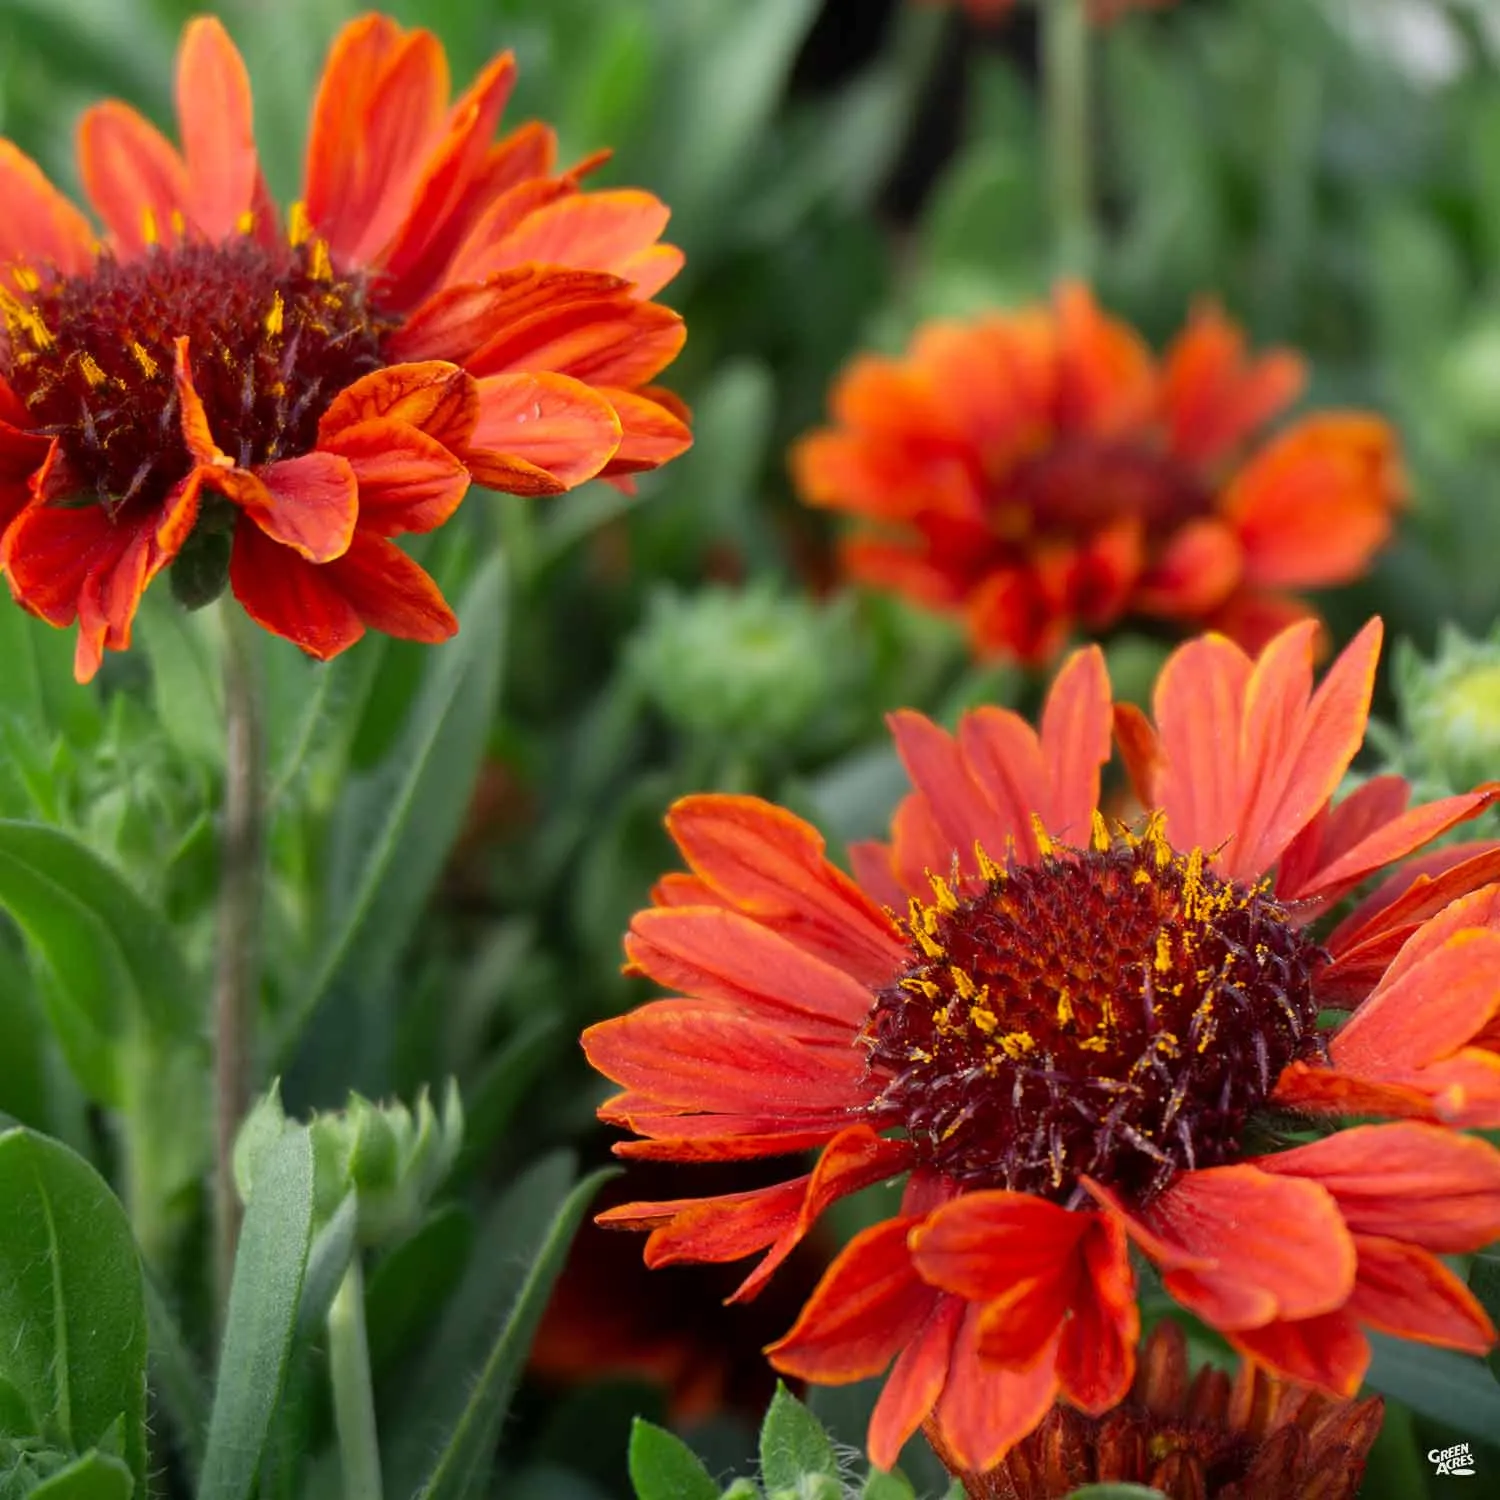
1117,1010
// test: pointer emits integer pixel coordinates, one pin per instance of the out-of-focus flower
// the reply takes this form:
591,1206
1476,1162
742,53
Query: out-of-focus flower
1204,1439
1040,471
609,1315
750,667
274,403
1063,1038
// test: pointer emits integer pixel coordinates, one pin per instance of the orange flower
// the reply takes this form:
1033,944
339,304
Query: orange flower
1063,1038
1208,1440
209,389
1039,471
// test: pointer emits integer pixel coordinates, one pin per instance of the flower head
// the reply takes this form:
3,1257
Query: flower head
1039,471
1205,1439
272,403
1075,1040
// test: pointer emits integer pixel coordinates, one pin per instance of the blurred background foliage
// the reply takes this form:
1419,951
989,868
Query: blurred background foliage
460,835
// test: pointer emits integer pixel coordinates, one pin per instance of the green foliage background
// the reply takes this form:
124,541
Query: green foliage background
460,835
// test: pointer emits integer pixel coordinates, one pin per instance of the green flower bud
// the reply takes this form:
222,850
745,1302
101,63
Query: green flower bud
1469,376
1450,713
394,1158
751,666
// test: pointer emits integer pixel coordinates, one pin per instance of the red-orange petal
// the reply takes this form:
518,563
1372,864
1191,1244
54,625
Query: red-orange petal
725,955
651,433
1198,705
289,596
1075,743
1409,1292
869,1305
530,303
855,1158
711,1230
1327,1351
959,807
982,1244
596,231
133,176
695,1057
308,504
216,119
379,110
39,227
1315,505
1429,1010
554,423
431,225
408,482
1412,1182
1215,397
985,1409
773,867
1279,1246
1194,573
1096,1357
390,592
916,1381
1296,749
607,345
433,396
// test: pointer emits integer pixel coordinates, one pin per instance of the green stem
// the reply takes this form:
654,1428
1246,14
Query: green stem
237,979
353,1395
1065,80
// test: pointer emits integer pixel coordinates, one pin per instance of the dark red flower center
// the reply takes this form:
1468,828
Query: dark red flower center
1076,488
273,336
1116,1012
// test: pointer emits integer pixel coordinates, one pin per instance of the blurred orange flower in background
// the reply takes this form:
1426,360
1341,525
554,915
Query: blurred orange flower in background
1040,471
276,403
1063,1047
1206,1439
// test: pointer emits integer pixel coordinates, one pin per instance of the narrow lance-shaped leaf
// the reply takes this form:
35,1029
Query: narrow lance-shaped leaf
463,1469
264,1298
395,826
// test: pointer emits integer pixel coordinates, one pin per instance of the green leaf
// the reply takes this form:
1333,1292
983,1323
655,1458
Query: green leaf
663,1467
327,1261
433,1386
1454,1389
793,1443
463,1469
113,961
186,689
1484,1282
176,1380
411,1283
37,685
741,62
1116,1492
263,1302
883,1486
71,1301
94,1476
395,826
